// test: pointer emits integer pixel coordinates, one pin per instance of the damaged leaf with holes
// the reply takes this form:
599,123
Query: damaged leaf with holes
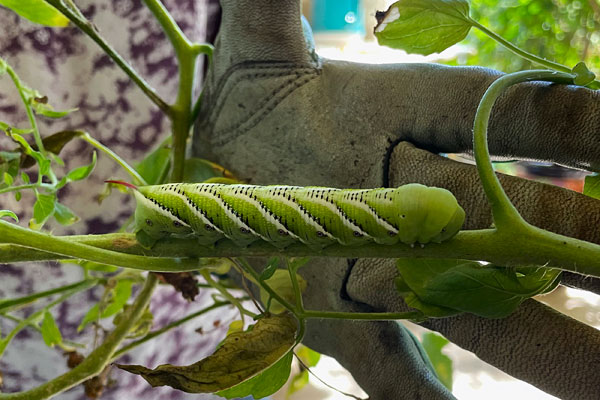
242,356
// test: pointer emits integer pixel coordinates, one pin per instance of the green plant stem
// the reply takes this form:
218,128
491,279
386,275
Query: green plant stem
11,233
88,28
297,292
503,212
130,170
66,345
97,360
169,26
27,186
12,304
206,275
36,132
304,314
180,111
477,245
522,53
170,326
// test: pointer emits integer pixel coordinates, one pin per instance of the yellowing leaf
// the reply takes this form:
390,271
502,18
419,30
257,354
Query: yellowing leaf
242,356
281,283
37,11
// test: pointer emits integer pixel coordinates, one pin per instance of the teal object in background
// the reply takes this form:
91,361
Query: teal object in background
338,15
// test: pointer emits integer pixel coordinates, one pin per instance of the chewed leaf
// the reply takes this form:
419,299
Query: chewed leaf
423,26
37,11
242,356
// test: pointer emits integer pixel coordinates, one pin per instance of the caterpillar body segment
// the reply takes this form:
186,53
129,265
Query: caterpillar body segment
283,215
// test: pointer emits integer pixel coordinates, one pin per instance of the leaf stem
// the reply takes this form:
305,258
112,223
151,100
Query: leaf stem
128,168
97,360
526,55
12,304
225,293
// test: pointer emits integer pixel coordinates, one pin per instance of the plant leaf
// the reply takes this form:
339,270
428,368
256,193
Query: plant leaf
592,186
118,297
281,283
270,269
50,332
242,356
41,106
155,166
64,215
458,286
264,384
8,213
583,76
433,345
82,172
43,208
423,26
37,11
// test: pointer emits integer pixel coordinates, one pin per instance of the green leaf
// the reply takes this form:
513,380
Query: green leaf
433,345
264,384
83,171
8,213
25,177
155,166
8,179
583,76
297,382
281,283
43,208
309,358
53,144
270,269
592,186
455,285
37,11
423,26
264,350
50,332
117,299
64,215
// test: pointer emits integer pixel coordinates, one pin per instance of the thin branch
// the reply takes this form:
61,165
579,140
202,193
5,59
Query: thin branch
88,28
553,250
97,360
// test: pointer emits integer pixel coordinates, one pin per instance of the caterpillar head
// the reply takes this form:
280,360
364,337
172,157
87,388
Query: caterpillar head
425,214
153,214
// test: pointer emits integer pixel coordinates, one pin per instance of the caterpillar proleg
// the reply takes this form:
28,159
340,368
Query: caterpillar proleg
283,215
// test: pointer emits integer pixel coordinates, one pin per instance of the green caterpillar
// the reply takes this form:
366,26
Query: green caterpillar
283,215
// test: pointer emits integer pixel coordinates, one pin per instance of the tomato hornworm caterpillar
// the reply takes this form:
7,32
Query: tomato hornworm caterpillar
282,215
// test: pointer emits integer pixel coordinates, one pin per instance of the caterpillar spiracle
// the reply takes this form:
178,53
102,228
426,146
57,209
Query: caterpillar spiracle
283,215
